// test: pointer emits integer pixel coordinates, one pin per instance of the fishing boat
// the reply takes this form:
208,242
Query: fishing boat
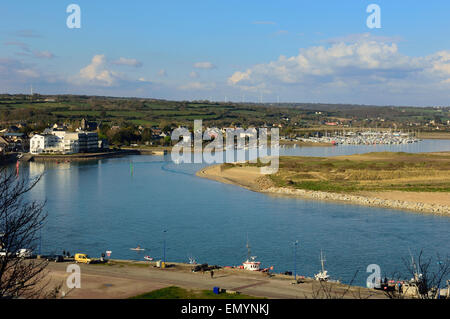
251,263
323,275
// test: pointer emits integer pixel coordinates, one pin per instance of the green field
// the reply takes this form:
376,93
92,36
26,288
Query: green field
149,112
180,293
144,112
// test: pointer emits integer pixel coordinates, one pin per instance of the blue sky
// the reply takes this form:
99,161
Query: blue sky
299,51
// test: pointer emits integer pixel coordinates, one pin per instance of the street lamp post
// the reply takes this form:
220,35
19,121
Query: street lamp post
295,259
164,247
40,238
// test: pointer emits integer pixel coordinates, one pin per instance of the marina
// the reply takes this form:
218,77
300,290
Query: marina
364,138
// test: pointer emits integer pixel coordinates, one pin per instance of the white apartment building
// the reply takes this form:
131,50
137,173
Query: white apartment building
58,142
41,142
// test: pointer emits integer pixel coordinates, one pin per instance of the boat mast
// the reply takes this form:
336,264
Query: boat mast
322,260
414,266
248,249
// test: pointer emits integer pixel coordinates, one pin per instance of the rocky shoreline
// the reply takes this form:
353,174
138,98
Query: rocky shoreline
361,200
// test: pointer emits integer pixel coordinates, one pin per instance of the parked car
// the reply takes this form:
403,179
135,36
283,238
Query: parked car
83,258
55,258
4,253
24,253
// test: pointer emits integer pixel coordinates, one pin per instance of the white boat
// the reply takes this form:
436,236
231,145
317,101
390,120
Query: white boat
323,275
138,248
251,263
148,258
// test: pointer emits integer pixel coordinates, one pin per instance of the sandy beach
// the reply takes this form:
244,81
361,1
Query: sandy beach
252,179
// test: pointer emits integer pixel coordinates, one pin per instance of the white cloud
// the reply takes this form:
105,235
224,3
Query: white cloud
129,62
142,79
204,65
364,65
239,77
440,62
97,73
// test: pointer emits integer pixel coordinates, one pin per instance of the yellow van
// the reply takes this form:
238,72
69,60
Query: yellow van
82,258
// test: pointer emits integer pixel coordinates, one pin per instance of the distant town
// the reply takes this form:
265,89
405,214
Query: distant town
63,124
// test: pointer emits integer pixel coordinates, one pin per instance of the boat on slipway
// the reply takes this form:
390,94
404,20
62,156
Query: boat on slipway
251,263
322,275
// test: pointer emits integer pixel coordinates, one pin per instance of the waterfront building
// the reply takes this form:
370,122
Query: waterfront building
63,142
43,143
88,142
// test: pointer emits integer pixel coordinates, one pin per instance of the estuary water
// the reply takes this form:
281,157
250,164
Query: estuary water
120,203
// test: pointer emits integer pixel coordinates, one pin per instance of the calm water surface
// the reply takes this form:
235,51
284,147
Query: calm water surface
100,205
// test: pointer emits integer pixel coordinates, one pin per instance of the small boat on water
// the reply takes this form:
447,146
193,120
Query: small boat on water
138,248
148,258
251,263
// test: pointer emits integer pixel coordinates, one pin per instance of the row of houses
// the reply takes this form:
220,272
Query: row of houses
13,142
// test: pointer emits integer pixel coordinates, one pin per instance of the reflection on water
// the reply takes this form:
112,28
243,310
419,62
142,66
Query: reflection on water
111,204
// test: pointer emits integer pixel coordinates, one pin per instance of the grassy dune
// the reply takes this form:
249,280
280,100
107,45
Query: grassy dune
425,172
